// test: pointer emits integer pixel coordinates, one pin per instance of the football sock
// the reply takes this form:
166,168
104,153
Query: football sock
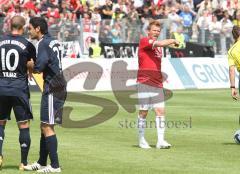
43,153
160,124
141,126
52,144
25,142
2,134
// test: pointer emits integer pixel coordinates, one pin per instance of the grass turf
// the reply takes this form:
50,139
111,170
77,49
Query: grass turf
204,145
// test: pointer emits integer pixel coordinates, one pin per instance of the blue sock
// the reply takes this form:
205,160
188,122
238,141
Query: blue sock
2,134
43,153
52,149
25,142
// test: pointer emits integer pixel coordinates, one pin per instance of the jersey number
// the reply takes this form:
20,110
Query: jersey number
5,57
59,55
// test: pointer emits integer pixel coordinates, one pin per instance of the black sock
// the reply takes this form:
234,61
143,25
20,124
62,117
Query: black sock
52,148
25,142
43,153
2,134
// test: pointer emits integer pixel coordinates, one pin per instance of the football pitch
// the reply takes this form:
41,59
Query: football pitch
201,127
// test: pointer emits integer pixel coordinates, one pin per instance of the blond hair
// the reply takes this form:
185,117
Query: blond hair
154,23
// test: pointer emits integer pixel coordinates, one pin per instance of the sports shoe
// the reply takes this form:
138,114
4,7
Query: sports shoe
33,166
1,161
163,145
49,169
21,167
143,144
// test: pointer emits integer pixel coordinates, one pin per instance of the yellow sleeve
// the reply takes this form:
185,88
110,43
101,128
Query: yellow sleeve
231,57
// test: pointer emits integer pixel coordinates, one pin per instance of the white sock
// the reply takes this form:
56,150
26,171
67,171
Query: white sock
160,124
141,126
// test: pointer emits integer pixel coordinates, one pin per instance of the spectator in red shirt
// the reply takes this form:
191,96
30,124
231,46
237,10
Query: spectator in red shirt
30,5
76,6
53,13
150,83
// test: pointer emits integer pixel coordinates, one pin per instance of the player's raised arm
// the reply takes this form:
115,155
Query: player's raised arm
166,42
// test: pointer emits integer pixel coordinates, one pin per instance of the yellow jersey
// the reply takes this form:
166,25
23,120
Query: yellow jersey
236,22
234,55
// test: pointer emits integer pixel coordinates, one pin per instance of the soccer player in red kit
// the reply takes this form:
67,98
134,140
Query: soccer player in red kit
150,83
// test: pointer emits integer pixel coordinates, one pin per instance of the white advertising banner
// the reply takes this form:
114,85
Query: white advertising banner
108,71
120,74
206,72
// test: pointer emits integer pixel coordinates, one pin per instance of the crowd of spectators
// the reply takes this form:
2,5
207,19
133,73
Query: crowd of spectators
203,21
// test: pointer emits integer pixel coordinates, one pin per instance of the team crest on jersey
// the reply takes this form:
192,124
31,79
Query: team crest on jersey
150,41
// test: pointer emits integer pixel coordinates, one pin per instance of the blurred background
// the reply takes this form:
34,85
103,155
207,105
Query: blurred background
206,23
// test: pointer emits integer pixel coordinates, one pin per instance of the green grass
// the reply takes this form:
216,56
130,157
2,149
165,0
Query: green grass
206,147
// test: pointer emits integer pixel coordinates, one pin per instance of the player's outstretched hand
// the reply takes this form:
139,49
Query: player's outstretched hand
234,94
176,43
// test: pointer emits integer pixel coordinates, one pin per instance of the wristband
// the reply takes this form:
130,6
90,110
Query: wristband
232,86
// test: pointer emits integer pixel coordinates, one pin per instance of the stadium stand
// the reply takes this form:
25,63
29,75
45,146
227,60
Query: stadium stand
124,21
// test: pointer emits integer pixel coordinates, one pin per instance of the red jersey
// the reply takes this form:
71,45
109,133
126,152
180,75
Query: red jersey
149,63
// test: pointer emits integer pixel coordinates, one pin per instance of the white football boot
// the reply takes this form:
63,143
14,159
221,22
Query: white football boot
143,144
163,145
33,166
49,169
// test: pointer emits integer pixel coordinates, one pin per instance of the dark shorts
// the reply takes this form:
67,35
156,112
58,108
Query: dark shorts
21,107
51,109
